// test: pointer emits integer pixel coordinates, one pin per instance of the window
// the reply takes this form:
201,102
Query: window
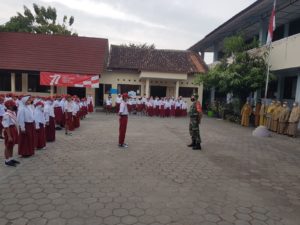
278,33
18,82
290,85
5,81
294,27
34,84
107,88
187,92
125,88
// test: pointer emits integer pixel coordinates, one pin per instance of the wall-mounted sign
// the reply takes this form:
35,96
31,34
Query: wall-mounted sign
69,80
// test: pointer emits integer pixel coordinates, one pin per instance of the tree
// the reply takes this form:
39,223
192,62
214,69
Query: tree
42,21
140,46
239,71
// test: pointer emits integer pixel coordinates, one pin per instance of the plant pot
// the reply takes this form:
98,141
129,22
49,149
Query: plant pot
210,113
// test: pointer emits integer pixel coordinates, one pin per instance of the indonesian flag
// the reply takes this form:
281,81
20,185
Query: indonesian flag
272,25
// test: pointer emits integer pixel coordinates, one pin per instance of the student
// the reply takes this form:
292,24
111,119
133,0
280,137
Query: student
26,126
9,123
40,122
50,120
108,105
68,110
123,113
2,112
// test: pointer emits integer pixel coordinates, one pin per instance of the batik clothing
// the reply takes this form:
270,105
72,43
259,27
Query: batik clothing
294,121
262,115
283,120
246,112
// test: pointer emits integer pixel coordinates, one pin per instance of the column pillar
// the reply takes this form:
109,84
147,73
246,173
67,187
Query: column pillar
13,82
280,87
51,91
147,92
286,29
24,82
177,89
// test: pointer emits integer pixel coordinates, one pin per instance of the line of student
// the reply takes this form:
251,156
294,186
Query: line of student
31,122
160,107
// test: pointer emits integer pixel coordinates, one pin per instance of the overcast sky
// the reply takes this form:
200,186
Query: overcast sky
169,24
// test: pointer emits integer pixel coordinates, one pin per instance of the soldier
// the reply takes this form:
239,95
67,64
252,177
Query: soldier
195,119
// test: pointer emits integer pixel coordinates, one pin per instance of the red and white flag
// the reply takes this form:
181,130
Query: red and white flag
272,25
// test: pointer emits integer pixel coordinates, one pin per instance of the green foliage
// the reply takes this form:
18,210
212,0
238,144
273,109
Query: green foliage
141,46
43,20
241,74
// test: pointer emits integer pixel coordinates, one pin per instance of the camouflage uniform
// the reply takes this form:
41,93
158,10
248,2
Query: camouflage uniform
195,118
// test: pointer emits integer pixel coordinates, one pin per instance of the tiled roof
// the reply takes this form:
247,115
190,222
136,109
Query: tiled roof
155,60
53,53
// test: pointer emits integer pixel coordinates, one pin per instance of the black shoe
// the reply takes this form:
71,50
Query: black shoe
197,147
10,163
192,144
1,137
15,161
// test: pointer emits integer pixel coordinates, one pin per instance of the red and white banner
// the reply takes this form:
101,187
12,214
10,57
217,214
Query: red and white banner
272,25
69,80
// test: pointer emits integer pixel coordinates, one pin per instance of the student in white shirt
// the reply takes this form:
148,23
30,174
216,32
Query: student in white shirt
123,113
40,122
108,105
9,123
25,121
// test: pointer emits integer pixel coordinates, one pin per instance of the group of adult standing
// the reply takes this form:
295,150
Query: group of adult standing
31,122
276,116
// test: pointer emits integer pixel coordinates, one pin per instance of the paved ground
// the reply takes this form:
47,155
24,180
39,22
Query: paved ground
87,179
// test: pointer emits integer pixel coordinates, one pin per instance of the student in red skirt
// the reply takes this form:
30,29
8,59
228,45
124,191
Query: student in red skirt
58,112
68,107
76,112
90,103
9,123
40,122
2,112
50,120
26,144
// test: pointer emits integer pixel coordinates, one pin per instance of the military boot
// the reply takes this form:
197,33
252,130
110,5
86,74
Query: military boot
192,144
197,147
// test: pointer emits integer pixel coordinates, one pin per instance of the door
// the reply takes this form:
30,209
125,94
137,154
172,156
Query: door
99,95
158,91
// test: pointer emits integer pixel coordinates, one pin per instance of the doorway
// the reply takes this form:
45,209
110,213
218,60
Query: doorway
79,91
99,95
159,91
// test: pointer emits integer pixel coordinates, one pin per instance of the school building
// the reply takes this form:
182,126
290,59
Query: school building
153,72
26,58
284,56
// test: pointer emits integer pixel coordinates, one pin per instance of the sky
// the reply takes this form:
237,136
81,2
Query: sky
168,24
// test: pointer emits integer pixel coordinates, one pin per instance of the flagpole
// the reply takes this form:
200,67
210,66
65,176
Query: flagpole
268,70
